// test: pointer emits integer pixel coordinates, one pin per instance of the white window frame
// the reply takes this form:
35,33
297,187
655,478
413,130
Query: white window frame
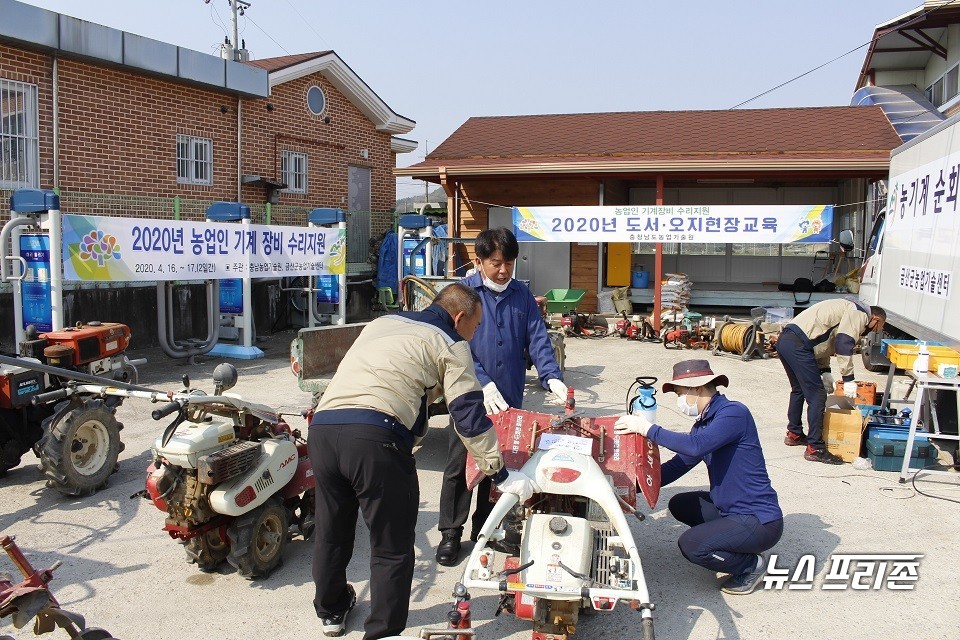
293,171
194,160
18,105
938,91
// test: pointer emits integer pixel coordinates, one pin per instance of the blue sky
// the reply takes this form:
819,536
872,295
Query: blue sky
440,63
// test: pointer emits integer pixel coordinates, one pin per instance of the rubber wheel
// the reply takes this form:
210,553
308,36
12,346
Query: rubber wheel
304,514
646,628
257,540
20,431
207,550
80,447
10,452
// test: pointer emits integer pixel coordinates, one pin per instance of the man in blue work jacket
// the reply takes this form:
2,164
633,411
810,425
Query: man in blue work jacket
511,324
740,517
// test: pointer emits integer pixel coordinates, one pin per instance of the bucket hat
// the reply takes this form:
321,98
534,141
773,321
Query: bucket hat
694,373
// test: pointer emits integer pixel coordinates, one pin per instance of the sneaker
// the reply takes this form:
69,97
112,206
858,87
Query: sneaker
794,440
745,583
335,624
821,455
448,551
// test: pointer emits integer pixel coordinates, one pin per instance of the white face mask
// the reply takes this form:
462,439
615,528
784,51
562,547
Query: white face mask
493,286
690,410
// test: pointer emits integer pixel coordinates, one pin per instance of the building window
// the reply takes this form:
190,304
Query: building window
293,171
194,160
316,101
19,144
945,88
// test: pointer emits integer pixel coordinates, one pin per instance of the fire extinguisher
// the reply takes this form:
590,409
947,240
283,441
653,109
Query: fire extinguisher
644,403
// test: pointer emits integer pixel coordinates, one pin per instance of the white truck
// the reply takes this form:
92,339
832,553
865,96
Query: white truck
912,265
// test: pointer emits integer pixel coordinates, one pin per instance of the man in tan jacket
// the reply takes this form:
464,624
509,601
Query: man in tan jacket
361,450
805,341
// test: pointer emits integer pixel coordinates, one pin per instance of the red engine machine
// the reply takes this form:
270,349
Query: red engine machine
78,441
569,548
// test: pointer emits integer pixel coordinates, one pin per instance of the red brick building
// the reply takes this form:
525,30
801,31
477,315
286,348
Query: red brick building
123,125
91,109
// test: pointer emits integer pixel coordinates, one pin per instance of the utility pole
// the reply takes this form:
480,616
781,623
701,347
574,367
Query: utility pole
426,185
237,7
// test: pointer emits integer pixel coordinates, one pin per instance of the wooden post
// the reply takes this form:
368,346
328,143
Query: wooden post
658,263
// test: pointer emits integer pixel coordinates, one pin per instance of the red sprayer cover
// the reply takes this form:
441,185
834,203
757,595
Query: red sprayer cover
631,460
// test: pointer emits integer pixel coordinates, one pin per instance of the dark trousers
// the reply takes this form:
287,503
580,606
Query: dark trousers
455,497
728,544
364,467
805,385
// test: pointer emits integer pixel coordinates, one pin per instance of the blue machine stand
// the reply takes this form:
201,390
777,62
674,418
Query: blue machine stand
236,296
38,280
331,288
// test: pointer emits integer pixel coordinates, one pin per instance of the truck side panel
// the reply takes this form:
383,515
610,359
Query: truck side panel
921,245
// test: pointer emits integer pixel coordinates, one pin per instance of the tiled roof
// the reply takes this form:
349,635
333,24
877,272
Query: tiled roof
275,64
745,137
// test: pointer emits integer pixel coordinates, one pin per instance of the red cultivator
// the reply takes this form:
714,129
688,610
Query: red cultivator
569,549
31,600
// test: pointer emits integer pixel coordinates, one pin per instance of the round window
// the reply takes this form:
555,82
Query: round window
316,101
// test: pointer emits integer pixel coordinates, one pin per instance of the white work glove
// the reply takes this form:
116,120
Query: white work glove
558,389
632,424
519,484
493,400
829,383
850,389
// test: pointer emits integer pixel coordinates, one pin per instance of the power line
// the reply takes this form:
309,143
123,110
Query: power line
268,35
805,73
223,26
922,16
307,22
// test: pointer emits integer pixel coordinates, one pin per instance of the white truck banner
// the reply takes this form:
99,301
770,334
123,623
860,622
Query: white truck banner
104,249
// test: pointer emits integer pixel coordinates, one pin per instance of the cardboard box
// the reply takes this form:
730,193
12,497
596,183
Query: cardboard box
843,427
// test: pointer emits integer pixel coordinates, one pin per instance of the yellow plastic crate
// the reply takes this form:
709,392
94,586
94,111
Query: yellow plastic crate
903,355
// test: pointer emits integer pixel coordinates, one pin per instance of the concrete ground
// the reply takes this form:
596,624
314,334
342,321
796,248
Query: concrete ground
124,574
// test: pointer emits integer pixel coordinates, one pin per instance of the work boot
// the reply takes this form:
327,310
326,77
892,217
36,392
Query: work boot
448,551
794,440
335,624
821,455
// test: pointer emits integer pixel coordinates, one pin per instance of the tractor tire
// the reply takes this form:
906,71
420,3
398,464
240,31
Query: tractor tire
207,550
257,540
10,452
20,430
80,447
304,515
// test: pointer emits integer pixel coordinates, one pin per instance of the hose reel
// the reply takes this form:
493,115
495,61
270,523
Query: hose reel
744,339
